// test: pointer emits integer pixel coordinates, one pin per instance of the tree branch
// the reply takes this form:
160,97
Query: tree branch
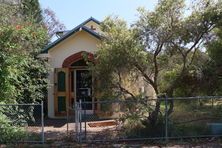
149,80
122,89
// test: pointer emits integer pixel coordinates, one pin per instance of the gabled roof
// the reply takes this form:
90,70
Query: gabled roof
73,31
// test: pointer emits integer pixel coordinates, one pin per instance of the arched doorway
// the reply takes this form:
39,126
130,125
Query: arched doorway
77,58
75,79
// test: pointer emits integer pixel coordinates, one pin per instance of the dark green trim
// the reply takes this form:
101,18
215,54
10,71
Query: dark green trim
71,32
61,81
61,104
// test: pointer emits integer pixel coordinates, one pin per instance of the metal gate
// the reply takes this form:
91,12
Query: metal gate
78,124
80,121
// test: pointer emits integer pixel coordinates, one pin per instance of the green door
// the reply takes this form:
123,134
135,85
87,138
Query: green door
61,91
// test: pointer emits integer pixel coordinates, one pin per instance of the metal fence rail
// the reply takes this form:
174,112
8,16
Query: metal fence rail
121,120
21,123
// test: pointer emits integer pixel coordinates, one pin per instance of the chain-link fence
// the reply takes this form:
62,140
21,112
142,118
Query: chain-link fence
149,119
21,123
195,117
70,123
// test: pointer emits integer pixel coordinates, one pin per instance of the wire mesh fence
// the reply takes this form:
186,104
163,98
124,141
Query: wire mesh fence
176,118
21,123
70,124
195,117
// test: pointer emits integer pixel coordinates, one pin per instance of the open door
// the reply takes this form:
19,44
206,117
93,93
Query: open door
61,91
84,89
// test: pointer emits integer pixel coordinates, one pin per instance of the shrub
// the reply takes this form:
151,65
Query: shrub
8,132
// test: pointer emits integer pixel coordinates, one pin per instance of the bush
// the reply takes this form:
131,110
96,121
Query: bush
134,127
189,129
8,132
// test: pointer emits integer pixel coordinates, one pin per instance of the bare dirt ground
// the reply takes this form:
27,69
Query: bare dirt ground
54,129
57,129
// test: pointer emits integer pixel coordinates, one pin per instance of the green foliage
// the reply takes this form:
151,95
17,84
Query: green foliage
212,79
168,33
8,14
164,47
214,49
23,76
193,117
189,129
116,57
22,73
136,128
8,132
30,9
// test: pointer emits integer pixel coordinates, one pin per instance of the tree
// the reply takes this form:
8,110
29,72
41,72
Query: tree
25,30
163,43
23,76
51,22
212,71
22,73
30,9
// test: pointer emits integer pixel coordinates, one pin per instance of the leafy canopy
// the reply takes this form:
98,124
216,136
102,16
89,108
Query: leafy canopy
22,73
164,47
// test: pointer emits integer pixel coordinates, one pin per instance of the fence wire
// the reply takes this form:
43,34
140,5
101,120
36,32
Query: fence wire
21,123
71,126
177,118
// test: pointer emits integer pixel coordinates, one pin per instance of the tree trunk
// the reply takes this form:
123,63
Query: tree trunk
170,102
153,116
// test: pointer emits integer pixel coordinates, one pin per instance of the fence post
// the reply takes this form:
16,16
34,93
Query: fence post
42,118
85,118
80,120
77,120
166,118
67,120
